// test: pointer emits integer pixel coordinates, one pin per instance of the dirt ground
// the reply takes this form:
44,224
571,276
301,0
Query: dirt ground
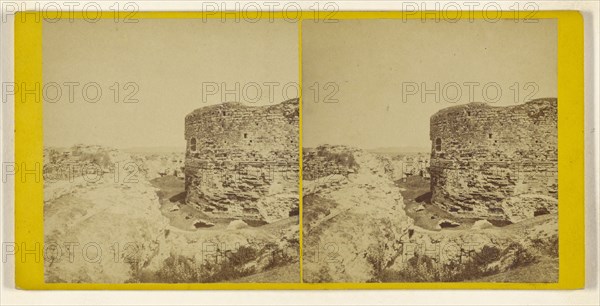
172,192
415,190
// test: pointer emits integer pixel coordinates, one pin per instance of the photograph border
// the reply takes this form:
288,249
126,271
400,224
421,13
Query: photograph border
29,220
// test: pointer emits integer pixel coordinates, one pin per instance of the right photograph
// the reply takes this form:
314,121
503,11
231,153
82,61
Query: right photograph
430,151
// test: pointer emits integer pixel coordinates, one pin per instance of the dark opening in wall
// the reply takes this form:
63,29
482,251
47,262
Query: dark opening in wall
438,144
193,144
490,135
540,211
245,135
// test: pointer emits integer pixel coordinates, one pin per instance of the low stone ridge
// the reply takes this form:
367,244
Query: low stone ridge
236,225
482,224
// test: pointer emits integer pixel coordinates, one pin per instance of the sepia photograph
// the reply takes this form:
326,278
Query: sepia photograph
430,151
171,151
345,152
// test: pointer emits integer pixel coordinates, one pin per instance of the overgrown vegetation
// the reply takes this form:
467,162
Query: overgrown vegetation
277,257
521,257
547,246
323,276
467,266
344,159
222,266
315,207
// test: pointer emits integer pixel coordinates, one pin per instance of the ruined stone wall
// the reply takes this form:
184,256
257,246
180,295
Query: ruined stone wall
244,163
495,162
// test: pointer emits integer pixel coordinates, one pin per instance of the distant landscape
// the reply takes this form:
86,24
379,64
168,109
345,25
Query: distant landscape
399,150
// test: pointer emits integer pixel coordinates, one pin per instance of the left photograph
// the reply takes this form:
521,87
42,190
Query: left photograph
171,151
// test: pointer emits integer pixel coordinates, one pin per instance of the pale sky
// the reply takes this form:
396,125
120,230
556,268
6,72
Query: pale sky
169,61
374,65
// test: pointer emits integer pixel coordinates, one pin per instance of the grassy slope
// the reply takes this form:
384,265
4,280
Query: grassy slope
285,274
528,274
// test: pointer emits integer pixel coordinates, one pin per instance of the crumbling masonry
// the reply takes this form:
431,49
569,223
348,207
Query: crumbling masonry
496,162
242,161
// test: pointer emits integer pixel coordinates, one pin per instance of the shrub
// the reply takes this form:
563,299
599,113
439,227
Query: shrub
323,276
315,207
419,268
180,269
345,159
521,258
422,268
277,257
547,246
477,265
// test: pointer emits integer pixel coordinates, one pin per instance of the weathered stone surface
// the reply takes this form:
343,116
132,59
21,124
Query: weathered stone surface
158,165
242,161
109,227
482,224
527,206
485,160
236,224
349,217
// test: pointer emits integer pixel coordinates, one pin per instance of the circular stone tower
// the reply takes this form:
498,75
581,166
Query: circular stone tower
242,161
495,162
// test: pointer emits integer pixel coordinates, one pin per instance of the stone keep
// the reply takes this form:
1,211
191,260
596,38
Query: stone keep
496,162
242,161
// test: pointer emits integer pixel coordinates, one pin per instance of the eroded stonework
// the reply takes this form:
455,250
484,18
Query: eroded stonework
242,161
496,162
